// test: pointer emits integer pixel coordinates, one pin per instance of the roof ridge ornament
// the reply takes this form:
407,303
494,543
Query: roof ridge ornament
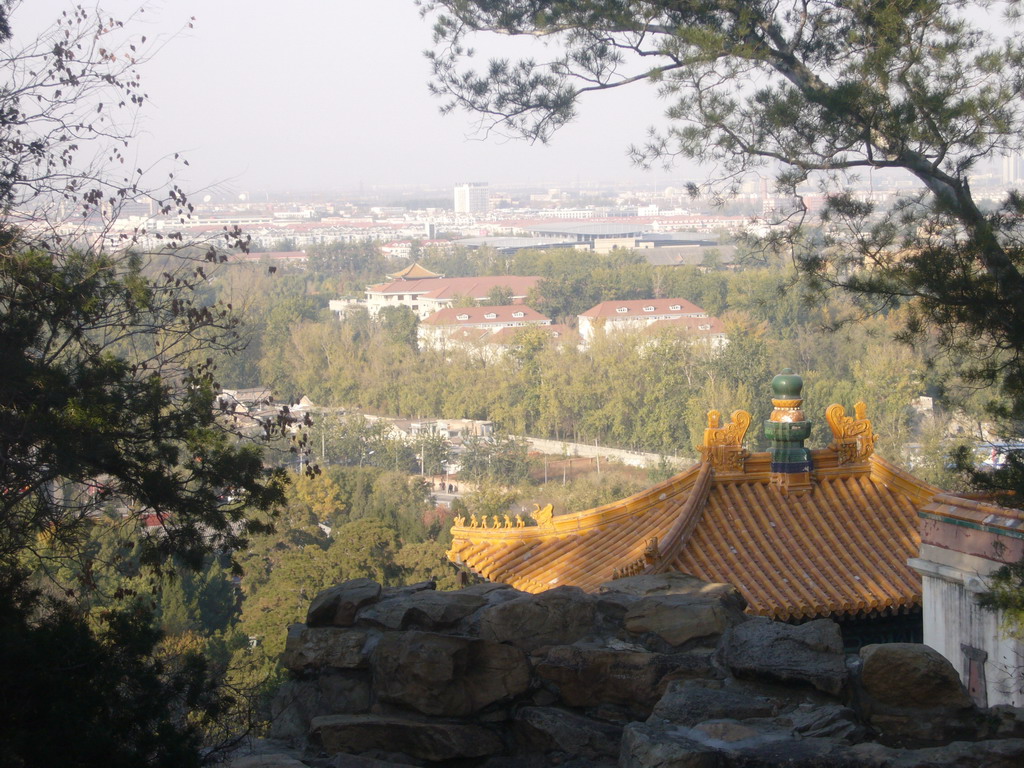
648,562
543,516
854,437
723,444
787,428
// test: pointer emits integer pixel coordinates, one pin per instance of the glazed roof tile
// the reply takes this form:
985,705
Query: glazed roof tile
839,549
413,271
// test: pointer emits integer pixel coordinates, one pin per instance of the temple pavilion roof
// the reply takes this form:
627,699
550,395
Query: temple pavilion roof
833,539
414,272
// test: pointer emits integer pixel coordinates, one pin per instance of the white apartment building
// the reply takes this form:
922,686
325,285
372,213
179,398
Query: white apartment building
469,325
426,295
635,315
472,197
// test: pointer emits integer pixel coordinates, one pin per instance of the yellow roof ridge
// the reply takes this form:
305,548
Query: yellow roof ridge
658,556
952,505
586,519
689,515
888,474
589,518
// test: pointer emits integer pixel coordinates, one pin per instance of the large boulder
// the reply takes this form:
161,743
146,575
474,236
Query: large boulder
447,675
647,746
423,739
911,692
359,761
911,675
679,618
421,610
309,648
337,606
264,753
688,702
590,676
549,729
674,583
832,721
810,653
557,617
297,702
1003,753
728,744
270,760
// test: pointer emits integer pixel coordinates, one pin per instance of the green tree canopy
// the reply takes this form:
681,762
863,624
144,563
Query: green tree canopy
499,296
812,90
106,416
400,324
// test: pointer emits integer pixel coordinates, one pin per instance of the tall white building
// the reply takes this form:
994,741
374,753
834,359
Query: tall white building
472,197
1013,169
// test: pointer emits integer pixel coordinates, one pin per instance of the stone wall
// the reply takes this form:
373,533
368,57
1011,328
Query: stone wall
662,671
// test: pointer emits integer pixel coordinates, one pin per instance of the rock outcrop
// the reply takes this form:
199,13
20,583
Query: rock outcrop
651,672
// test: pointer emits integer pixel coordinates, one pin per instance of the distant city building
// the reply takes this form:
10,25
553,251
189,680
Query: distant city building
1013,169
425,292
472,197
572,213
474,324
511,245
406,249
401,249
615,316
588,232
709,330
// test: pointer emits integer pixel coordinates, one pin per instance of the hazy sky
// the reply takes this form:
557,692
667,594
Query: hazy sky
331,94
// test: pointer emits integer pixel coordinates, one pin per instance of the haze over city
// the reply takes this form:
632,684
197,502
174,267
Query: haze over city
333,96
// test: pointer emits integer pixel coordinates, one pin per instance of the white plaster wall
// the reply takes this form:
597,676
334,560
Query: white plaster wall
953,618
629,458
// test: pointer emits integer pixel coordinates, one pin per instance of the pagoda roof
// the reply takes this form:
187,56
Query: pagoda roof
839,547
413,272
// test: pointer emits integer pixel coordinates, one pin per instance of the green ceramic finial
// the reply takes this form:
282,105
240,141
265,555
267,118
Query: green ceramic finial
787,385
787,429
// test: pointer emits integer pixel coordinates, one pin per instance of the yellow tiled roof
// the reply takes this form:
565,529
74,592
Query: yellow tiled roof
840,548
413,272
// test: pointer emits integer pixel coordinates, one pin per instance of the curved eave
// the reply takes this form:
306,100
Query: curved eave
840,549
902,482
583,548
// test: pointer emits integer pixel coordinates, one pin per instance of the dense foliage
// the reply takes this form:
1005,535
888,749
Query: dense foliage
813,92
107,424
647,393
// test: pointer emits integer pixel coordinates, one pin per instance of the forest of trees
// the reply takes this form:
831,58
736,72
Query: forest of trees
648,394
